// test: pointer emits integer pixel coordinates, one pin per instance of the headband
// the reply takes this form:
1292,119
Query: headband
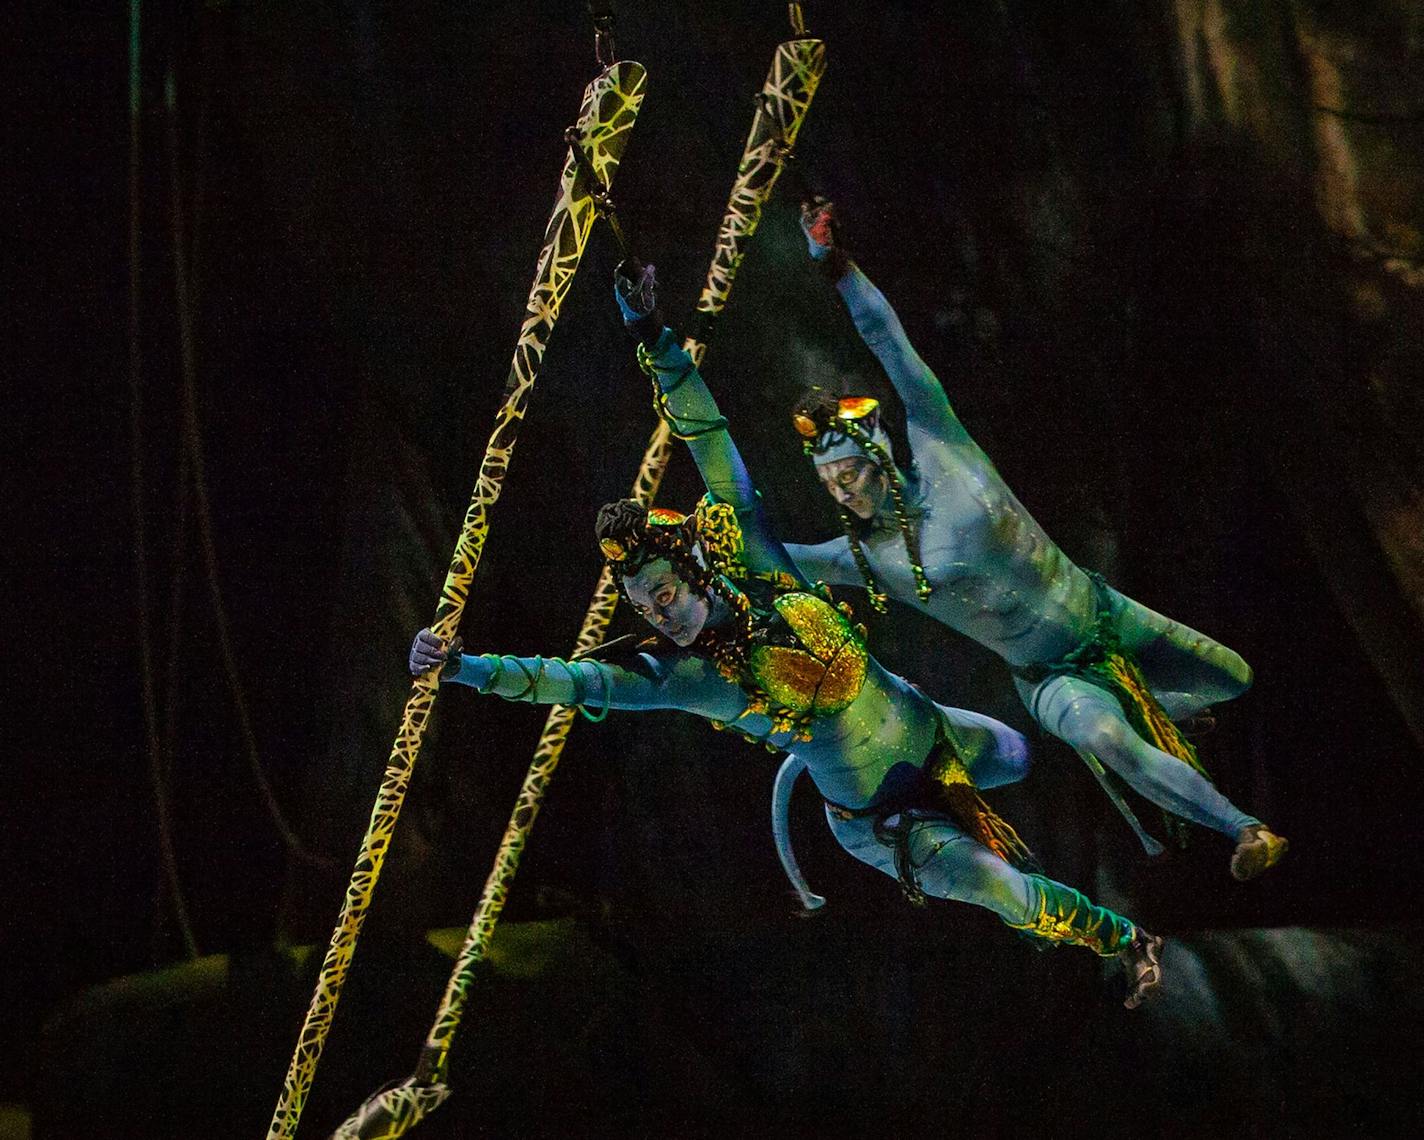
828,438
712,526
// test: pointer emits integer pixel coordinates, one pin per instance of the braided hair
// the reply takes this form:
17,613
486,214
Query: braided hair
818,414
632,535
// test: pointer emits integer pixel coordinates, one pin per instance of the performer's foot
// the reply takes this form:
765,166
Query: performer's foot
1258,849
1198,724
1143,962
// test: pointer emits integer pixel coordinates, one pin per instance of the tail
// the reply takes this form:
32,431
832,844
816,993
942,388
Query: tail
781,789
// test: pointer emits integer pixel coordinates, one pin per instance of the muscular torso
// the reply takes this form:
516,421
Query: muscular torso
996,575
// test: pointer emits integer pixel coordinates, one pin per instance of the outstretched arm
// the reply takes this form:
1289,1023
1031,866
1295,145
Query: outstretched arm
927,408
693,415
685,682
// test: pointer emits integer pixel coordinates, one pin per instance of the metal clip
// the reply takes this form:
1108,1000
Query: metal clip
597,190
604,48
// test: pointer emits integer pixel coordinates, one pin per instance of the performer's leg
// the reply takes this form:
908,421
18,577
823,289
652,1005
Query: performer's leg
948,864
1092,720
1187,670
993,752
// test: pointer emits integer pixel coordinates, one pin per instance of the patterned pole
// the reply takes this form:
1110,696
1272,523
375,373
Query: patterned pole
606,116
796,71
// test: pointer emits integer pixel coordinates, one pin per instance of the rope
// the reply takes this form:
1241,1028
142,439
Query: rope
795,73
608,112
195,469
143,590
173,665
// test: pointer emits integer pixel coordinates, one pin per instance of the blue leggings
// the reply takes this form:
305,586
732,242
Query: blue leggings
1186,671
948,863
994,754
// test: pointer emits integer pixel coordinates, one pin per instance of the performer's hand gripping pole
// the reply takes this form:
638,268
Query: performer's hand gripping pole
796,71
608,111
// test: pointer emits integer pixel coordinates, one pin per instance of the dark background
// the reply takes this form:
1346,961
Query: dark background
1165,258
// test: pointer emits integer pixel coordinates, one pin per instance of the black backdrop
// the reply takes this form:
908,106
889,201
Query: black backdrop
1138,295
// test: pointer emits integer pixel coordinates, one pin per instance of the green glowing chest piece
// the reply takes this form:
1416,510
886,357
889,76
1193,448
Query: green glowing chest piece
823,671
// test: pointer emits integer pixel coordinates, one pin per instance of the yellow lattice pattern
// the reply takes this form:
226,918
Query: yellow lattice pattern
795,72
606,117
756,176
393,1112
531,795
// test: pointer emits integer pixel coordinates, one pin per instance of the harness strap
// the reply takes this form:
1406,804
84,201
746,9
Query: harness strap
944,789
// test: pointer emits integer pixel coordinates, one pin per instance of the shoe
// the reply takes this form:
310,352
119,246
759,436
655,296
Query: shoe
1258,849
1198,724
1143,962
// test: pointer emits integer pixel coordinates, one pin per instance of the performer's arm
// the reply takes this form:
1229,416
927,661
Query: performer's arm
648,683
694,416
828,562
927,408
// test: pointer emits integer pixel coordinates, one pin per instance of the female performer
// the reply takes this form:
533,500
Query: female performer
745,643
947,536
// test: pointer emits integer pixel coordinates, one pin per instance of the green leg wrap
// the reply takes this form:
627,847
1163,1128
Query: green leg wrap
1058,913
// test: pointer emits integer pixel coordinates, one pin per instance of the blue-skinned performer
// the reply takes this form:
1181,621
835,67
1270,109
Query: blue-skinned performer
945,535
744,642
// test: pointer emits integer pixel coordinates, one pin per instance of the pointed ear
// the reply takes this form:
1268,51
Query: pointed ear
689,531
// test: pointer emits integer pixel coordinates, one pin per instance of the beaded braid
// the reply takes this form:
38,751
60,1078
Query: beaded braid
878,598
909,532
902,517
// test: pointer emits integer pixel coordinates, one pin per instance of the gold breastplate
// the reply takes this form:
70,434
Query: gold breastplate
822,674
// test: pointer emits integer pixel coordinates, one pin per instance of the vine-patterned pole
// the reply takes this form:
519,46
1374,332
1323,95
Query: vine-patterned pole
795,73
608,111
